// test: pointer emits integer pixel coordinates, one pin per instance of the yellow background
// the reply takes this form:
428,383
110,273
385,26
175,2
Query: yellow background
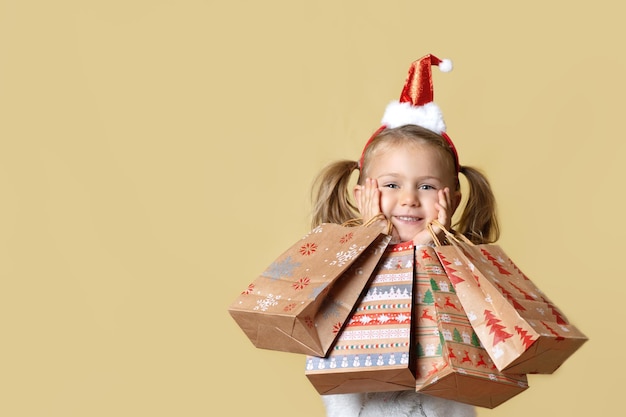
156,155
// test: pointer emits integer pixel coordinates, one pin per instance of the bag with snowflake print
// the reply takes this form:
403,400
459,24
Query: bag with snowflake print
302,300
373,352
521,329
451,362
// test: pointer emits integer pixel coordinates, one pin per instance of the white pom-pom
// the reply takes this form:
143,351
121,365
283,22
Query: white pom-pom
445,65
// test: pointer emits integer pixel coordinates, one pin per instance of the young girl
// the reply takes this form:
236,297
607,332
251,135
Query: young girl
409,172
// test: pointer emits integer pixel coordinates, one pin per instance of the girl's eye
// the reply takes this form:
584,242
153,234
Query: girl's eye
426,187
394,186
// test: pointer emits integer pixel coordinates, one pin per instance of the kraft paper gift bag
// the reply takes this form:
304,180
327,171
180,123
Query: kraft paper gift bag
451,361
522,330
373,351
301,301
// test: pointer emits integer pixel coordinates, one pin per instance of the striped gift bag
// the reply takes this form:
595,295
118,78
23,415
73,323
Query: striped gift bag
373,351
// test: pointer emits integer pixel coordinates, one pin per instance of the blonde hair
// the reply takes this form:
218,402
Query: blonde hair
332,199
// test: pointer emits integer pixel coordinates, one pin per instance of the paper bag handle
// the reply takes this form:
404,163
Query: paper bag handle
359,222
457,237
433,234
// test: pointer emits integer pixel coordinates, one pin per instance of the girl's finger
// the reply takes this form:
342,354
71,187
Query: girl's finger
443,204
444,198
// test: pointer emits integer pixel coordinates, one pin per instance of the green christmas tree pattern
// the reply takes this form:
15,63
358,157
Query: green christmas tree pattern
428,298
456,336
475,340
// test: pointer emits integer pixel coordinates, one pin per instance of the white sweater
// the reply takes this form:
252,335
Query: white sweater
394,404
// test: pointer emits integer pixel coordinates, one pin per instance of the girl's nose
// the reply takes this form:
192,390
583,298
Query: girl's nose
409,198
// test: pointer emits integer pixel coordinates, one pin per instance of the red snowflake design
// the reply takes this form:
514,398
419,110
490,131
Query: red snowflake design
346,238
336,327
308,249
301,283
248,290
289,307
308,321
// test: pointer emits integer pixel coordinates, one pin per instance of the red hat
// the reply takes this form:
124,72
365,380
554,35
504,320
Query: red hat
416,106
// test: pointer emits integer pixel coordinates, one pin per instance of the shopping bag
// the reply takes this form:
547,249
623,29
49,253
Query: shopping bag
372,352
451,361
521,328
301,301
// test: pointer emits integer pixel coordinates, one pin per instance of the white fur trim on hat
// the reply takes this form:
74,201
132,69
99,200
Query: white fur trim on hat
399,114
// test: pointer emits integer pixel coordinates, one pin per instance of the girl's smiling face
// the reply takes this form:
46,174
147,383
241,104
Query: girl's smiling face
409,178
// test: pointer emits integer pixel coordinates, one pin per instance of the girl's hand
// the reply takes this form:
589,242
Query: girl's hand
443,206
369,199
368,202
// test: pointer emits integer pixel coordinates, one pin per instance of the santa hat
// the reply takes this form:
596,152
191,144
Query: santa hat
416,105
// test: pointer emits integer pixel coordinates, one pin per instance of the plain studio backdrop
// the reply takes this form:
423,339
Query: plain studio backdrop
156,156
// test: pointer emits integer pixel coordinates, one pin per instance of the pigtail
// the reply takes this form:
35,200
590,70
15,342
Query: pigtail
478,221
332,202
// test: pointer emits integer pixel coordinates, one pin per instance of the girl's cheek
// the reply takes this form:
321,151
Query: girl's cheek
432,197
385,204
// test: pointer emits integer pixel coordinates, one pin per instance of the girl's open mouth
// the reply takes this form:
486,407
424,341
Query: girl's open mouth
408,218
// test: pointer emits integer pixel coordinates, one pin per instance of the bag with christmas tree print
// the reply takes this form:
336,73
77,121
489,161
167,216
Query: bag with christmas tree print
522,330
301,301
373,350
451,362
